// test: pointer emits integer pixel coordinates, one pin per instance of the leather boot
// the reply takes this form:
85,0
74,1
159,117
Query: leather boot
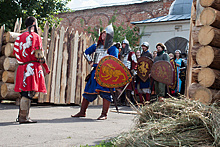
105,108
82,112
24,111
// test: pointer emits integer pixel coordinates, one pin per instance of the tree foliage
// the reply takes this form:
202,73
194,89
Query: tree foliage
43,10
131,34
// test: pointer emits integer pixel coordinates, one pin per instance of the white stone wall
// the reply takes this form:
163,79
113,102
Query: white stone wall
163,31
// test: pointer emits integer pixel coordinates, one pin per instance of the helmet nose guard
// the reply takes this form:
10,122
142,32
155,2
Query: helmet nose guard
109,36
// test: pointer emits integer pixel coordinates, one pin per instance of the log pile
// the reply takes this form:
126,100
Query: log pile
204,55
8,65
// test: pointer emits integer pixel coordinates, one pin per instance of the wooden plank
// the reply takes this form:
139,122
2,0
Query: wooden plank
59,66
70,63
64,70
190,60
19,26
45,38
53,82
39,31
45,42
84,63
1,36
79,72
50,62
74,68
16,25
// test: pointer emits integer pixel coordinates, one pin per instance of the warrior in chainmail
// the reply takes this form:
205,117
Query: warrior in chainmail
128,57
93,89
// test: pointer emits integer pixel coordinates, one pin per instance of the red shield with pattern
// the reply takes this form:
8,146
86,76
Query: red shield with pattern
173,85
144,67
162,72
112,73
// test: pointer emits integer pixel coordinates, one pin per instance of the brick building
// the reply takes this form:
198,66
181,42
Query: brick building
140,10
172,30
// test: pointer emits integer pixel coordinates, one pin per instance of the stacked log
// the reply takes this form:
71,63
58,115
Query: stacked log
205,53
8,65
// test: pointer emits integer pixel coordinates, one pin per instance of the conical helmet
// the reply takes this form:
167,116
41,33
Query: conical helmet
109,36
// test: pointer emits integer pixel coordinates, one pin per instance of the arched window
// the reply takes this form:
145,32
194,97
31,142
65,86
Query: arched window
177,43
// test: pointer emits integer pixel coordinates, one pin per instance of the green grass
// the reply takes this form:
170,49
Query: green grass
102,144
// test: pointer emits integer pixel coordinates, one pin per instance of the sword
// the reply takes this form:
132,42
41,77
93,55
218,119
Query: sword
124,89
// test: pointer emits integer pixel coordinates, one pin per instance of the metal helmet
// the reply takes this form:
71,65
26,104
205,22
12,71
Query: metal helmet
109,36
125,41
126,50
145,44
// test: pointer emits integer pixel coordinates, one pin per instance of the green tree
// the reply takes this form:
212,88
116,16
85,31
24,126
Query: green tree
131,34
43,10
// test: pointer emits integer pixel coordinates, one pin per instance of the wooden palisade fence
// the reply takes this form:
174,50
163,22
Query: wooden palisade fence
203,74
64,54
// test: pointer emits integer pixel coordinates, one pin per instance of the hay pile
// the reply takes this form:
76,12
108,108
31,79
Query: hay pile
174,122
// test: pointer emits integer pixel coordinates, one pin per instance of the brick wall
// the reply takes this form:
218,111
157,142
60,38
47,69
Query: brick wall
81,19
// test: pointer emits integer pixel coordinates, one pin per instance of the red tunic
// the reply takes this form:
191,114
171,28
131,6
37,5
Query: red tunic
30,76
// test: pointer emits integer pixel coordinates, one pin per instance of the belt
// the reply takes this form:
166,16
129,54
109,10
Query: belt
28,62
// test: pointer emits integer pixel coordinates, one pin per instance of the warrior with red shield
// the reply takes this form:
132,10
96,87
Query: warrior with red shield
29,76
101,49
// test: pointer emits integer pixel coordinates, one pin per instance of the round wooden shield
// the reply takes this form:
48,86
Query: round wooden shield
112,73
143,68
162,71
174,83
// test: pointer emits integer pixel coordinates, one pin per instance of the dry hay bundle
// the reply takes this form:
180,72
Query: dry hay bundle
174,122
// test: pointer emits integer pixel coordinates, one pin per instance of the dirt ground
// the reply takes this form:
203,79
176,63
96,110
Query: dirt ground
55,127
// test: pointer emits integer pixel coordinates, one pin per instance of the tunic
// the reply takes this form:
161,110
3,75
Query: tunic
30,75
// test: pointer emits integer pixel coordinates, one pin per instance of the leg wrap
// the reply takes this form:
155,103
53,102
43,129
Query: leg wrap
24,109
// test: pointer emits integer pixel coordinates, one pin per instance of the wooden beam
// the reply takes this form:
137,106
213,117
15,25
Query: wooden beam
74,68
70,63
50,62
79,72
190,60
53,82
59,66
64,70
